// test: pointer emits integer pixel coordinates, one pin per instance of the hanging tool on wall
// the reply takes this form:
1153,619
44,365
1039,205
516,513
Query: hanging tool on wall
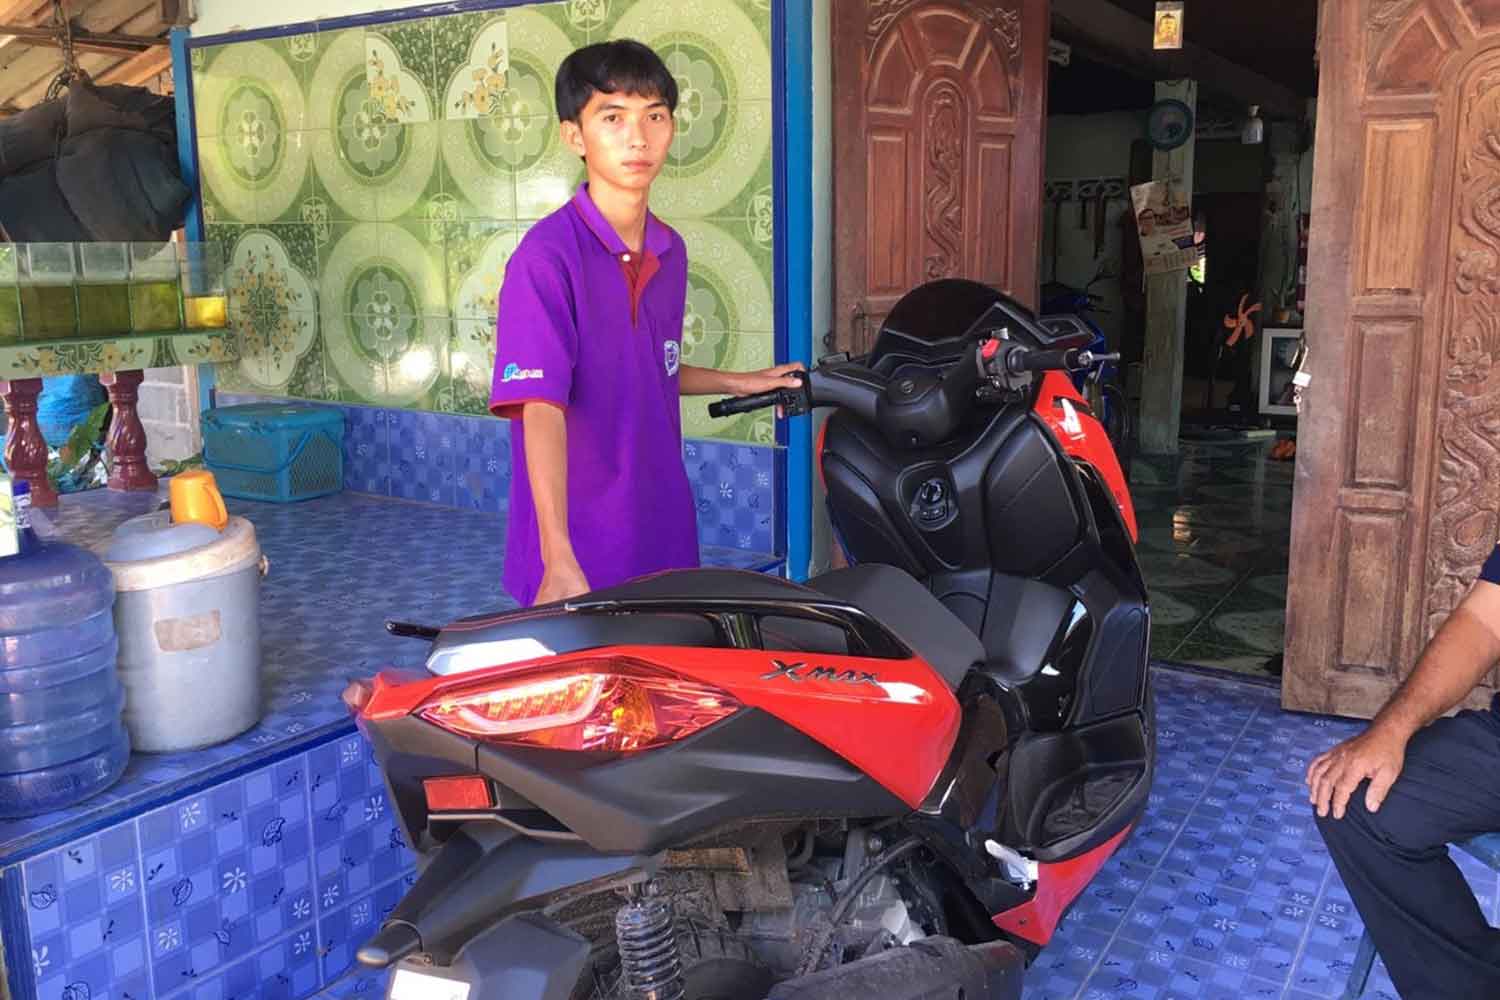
1057,193
1101,202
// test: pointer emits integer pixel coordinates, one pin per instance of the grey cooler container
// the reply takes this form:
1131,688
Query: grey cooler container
187,612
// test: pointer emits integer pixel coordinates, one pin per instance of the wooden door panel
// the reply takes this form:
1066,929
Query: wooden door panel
1372,542
1398,498
1398,160
946,135
945,99
994,211
888,226
991,87
1385,353
1405,63
894,75
948,35
1482,13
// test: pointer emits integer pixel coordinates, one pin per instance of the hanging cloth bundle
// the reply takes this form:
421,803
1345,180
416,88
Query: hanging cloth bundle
90,163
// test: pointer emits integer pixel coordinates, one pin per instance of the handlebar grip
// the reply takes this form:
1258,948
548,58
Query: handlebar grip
1043,361
744,404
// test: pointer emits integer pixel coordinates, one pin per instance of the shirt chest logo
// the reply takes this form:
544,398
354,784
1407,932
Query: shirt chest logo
672,353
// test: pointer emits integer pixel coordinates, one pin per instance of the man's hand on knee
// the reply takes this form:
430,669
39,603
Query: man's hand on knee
1378,754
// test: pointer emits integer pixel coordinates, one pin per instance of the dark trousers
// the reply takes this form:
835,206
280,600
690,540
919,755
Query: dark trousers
1420,912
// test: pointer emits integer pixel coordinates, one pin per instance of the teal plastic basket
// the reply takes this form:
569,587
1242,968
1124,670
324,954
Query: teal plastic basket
276,452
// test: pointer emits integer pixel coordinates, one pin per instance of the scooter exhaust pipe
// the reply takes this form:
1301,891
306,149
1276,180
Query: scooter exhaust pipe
931,969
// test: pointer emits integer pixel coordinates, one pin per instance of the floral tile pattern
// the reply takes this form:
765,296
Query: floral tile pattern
372,182
214,347
1215,528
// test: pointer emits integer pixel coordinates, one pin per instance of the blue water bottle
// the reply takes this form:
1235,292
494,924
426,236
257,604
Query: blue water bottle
26,539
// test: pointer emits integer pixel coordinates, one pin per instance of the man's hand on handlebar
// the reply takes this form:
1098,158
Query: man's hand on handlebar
781,387
766,380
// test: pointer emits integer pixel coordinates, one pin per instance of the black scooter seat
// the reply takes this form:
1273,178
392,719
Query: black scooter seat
907,608
889,595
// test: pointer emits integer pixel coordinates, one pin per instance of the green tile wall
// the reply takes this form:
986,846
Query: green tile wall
372,182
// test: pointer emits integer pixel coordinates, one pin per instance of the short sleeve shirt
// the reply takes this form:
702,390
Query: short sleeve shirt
588,326
1491,570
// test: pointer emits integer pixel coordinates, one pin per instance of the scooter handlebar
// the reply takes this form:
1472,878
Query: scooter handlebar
745,404
1071,359
1021,360
793,401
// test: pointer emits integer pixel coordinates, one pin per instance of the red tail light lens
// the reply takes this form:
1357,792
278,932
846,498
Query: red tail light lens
466,792
613,704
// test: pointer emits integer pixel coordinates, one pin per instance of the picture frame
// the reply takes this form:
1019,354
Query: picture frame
1278,351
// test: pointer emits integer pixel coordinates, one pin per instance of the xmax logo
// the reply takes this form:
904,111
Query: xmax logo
799,672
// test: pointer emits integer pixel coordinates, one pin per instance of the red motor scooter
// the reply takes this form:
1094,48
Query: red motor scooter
889,782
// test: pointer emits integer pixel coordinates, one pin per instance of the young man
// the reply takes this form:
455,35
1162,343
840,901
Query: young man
588,360
1391,800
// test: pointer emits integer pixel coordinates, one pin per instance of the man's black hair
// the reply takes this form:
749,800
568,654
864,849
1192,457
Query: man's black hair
612,67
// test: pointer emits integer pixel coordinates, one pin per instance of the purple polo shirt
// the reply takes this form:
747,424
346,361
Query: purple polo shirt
587,328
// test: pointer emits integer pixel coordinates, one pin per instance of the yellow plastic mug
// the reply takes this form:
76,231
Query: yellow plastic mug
195,497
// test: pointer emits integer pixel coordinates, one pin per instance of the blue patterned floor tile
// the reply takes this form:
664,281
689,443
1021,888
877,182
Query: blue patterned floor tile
1154,835
1060,971
1147,972
1327,956
1239,931
1102,905
359,984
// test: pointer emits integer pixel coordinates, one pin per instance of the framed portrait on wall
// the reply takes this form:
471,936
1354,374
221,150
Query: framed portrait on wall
1278,356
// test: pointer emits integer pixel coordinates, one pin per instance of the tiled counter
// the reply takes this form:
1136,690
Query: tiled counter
253,868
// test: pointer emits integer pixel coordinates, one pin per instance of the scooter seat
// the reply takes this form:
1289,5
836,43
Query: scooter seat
893,597
548,629
902,604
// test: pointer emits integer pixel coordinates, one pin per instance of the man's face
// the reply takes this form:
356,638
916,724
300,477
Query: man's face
623,137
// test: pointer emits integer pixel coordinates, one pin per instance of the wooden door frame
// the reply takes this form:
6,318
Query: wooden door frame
1362,540
849,255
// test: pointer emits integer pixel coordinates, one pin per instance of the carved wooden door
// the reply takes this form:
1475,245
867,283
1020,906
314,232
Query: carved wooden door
1398,460
938,132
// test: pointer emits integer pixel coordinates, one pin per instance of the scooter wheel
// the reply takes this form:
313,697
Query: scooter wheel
721,968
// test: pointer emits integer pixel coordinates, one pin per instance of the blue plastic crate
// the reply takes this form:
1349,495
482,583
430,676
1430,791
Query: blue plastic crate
278,452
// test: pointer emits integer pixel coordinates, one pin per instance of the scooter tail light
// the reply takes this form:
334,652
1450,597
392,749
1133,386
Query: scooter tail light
612,704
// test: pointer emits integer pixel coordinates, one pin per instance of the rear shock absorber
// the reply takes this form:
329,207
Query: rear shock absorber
645,930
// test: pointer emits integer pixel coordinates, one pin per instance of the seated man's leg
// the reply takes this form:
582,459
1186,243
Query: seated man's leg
1420,912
